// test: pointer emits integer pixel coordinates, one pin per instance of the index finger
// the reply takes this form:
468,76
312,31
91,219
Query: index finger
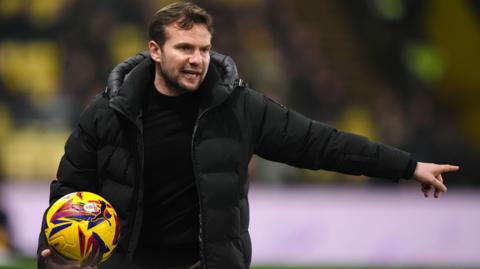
448,168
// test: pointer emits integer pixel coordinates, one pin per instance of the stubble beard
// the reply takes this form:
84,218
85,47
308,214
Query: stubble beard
171,82
174,84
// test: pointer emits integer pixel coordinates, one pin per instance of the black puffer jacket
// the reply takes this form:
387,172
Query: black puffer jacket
105,155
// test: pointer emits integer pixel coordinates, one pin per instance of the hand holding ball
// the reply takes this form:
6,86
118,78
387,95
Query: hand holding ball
82,227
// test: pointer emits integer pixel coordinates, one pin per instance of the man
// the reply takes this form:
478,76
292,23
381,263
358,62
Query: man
173,135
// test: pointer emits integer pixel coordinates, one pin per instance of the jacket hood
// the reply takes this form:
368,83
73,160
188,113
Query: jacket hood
128,80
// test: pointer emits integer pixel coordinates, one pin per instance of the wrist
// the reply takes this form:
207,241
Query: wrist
410,169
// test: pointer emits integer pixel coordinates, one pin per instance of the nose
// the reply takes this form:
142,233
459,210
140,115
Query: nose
195,58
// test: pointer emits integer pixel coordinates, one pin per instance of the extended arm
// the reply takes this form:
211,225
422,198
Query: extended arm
286,136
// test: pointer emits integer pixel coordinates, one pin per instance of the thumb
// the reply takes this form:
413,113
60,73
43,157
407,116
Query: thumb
46,253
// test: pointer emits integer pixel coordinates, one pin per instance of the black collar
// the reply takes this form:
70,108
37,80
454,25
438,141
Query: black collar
129,98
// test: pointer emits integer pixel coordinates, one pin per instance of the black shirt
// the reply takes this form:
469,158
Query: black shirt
170,228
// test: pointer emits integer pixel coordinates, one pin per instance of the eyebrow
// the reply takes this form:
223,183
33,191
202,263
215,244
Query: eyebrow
184,44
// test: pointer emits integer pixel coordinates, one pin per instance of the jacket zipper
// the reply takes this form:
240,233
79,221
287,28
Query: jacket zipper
195,173
136,186
139,164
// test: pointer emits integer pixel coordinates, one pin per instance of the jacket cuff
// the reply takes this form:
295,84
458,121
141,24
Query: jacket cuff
41,263
410,169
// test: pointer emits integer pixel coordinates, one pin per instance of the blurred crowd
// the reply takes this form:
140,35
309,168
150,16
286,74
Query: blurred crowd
398,71
378,68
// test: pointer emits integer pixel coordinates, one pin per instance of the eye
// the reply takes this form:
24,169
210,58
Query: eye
205,50
184,47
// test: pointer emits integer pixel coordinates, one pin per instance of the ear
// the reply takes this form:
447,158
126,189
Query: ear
155,51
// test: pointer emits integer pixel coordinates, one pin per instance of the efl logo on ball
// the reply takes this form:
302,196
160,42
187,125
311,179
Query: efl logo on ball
82,227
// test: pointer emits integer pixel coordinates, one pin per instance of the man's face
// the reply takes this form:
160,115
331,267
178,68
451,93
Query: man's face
184,57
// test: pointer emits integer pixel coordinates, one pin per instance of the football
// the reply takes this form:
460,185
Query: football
82,227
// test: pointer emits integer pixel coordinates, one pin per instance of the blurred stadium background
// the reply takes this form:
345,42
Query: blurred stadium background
403,72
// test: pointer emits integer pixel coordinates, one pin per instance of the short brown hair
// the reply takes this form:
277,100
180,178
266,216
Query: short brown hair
186,13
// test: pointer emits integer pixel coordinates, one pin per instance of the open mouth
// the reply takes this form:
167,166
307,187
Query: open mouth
192,74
